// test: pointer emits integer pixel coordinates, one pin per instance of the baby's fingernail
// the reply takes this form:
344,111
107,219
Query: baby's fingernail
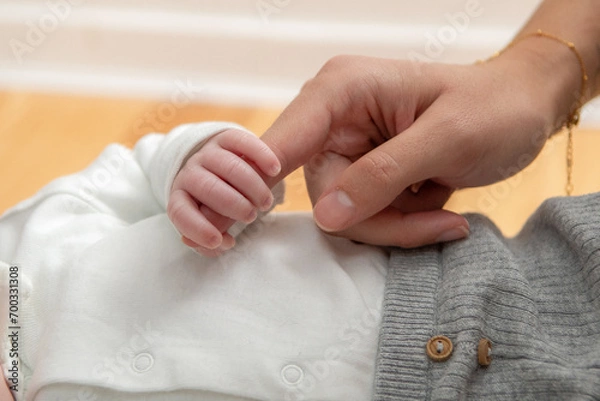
453,234
227,244
188,242
274,170
213,242
251,216
267,203
334,211
229,241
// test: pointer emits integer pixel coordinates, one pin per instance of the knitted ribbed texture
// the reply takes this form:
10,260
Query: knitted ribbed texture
536,297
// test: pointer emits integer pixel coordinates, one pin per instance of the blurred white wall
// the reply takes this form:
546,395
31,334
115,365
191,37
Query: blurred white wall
240,51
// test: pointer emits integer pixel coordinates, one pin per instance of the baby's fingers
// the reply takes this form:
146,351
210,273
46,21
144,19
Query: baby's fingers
227,244
186,217
251,148
240,175
209,189
221,223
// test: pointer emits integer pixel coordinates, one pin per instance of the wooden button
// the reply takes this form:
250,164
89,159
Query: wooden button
439,348
484,352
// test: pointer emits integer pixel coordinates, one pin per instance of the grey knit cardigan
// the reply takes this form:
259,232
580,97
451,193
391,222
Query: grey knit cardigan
536,297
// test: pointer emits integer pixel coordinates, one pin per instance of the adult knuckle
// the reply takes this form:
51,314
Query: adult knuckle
459,132
337,62
381,169
317,165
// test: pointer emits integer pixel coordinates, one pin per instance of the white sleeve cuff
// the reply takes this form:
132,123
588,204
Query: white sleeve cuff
177,147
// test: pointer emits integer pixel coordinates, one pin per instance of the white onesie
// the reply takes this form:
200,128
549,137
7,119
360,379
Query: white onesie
112,305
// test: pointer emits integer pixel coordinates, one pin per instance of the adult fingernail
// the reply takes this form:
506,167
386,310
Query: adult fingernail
414,188
453,234
334,211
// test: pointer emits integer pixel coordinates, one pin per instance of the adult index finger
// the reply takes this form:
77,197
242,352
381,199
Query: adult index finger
300,131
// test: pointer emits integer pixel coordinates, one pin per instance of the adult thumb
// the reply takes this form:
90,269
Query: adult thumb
376,179
411,220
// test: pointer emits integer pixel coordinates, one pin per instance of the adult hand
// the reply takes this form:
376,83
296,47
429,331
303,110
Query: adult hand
378,126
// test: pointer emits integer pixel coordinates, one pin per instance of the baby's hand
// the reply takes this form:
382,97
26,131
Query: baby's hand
225,177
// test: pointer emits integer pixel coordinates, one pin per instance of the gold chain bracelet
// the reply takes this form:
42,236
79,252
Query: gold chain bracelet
573,119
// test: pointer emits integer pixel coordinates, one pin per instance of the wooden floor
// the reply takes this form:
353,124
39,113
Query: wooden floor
43,136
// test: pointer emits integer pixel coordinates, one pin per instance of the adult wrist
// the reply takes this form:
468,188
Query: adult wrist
554,72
